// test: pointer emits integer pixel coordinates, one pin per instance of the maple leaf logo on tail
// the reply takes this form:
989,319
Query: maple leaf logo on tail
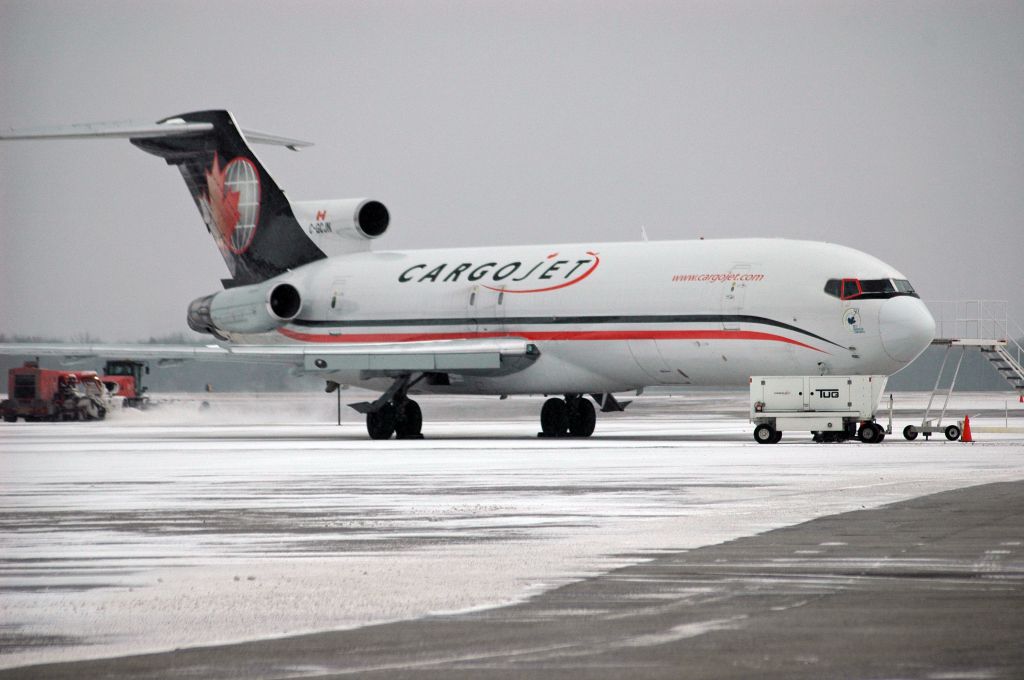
223,202
232,202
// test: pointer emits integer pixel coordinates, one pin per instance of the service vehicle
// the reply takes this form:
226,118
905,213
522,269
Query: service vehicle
123,378
36,393
833,408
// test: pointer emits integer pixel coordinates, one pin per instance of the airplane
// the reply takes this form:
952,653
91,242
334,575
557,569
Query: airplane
563,320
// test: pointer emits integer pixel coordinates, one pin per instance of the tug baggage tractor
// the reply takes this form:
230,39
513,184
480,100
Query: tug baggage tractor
833,408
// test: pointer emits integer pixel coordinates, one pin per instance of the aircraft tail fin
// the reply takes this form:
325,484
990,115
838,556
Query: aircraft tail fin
246,213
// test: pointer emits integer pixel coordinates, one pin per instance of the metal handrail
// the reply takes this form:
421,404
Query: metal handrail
973,319
1013,341
985,322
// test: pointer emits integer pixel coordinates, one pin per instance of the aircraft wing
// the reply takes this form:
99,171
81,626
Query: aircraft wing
487,356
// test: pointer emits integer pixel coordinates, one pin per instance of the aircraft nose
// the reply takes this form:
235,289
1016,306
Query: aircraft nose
906,327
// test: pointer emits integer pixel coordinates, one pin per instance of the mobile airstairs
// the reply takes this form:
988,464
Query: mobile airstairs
981,324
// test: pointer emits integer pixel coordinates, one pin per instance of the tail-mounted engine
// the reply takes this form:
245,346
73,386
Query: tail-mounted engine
344,225
259,308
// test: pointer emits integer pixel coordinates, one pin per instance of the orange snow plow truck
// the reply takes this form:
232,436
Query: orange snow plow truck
42,394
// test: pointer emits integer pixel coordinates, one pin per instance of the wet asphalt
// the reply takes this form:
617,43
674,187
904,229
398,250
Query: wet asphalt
930,588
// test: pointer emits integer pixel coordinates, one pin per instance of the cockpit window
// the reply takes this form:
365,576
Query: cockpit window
877,287
903,286
869,289
851,288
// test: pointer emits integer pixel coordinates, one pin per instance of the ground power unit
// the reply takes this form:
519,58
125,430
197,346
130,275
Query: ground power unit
833,408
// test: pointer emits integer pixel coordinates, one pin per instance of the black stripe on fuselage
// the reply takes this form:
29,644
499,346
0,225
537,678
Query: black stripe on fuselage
559,320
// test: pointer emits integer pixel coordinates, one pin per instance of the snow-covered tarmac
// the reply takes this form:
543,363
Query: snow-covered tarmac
261,518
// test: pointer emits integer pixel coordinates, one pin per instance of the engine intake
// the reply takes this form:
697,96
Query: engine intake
373,219
259,308
285,301
342,225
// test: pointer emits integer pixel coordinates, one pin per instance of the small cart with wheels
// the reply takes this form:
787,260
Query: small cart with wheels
930,427
833,408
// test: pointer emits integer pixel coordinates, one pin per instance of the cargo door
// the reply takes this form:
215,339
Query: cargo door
734,294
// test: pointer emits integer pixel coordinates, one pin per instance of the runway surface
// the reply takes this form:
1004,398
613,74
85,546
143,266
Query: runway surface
144,535
928,588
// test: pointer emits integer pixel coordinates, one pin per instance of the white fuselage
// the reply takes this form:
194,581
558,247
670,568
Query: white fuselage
618,316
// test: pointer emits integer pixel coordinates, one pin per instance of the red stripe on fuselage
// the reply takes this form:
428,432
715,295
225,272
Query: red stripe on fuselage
639,334
597,261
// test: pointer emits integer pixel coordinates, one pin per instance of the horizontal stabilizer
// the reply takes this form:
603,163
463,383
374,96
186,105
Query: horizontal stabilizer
257,137
174,127
242,207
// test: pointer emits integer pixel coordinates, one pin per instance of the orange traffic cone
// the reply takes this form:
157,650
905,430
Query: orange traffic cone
965,436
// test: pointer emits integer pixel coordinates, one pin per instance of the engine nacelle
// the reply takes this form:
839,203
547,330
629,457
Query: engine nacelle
259,308
335,225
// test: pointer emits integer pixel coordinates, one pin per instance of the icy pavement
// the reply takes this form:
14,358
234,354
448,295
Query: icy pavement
143,534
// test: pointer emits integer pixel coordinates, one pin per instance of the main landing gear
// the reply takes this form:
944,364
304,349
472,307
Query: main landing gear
402,418
573,416
394,413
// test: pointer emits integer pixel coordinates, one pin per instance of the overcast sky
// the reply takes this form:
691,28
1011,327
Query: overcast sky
893,127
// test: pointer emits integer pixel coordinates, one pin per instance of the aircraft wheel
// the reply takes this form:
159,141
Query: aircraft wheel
952,433
910,433
409,423
764,434
582,417
381,424
870,433
554,418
